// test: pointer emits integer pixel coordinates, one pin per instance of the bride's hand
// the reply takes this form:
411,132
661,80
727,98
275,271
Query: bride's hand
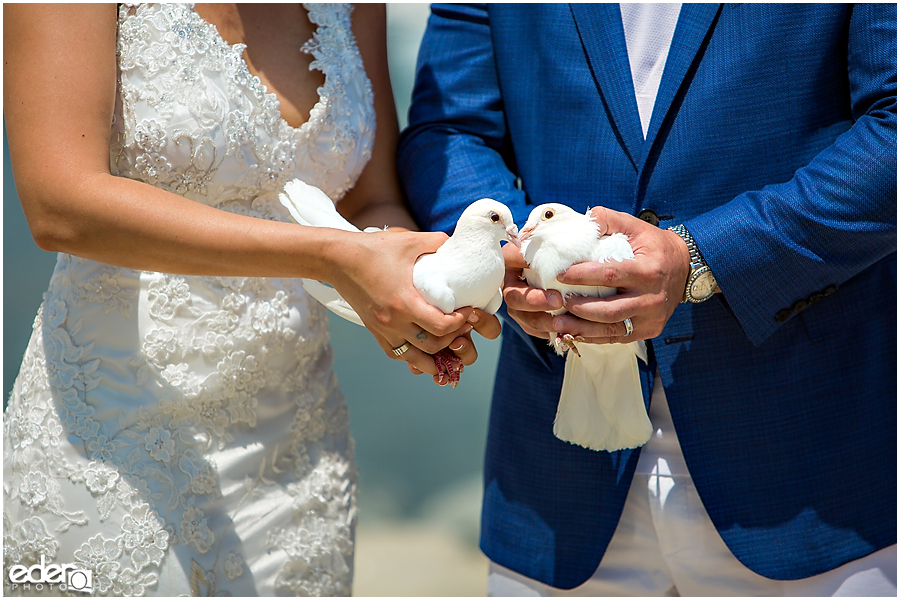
374,275
488,326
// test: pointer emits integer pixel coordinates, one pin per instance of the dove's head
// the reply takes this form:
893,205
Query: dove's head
555,225
490,216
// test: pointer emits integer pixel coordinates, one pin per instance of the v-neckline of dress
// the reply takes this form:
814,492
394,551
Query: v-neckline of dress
316,109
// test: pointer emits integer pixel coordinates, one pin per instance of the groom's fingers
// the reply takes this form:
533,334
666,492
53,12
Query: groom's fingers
520,296
611,309
590,330
608,274
536,324
513,258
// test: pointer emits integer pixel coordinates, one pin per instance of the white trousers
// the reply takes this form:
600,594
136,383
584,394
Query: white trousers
666,545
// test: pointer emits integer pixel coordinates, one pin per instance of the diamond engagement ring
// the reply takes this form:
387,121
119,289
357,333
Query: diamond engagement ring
401,350
629,328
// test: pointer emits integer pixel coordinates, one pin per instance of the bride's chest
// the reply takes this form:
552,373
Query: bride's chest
192,119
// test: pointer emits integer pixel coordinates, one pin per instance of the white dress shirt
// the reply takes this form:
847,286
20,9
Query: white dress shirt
648,35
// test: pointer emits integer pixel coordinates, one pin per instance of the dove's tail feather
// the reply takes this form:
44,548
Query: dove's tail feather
331,299
310,206
601,406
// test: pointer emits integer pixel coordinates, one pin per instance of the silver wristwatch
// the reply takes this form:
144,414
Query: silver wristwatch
701,284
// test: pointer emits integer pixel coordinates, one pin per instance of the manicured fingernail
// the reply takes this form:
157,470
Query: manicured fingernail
473,318
557,324
457,345
555,301
468,329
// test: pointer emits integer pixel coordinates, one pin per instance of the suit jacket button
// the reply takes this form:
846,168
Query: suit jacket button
783,315
799,305
829,290
815,297
649,216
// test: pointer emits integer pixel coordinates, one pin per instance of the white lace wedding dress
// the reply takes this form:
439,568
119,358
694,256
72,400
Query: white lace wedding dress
186,435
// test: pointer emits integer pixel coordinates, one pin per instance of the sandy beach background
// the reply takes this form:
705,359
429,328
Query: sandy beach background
419,448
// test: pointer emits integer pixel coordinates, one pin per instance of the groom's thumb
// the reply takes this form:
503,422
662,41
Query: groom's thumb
612,221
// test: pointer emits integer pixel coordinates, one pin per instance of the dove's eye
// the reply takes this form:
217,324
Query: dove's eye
548,214
495,217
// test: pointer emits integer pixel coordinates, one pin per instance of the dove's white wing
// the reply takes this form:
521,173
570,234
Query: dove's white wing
310,206
601,406
430,278
613,247
494,305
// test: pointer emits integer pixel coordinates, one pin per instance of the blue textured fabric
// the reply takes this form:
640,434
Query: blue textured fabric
774,139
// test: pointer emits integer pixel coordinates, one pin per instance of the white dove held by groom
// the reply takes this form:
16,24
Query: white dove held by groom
601,405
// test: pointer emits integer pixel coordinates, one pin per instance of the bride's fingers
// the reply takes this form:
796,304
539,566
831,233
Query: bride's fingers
487,326
432,321
408,353
432,344
420,360
464,349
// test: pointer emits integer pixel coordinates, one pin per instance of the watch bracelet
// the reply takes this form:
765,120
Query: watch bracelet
696,258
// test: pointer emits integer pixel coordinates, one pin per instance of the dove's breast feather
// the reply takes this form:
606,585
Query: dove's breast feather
449,280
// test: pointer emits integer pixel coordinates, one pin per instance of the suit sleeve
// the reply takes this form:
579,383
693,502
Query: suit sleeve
456,148
836,217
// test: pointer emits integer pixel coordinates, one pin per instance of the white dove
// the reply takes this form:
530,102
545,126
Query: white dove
467,270
601,406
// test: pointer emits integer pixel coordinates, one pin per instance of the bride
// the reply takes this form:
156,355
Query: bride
176,427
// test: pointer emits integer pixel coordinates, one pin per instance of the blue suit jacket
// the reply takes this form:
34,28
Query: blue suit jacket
773,139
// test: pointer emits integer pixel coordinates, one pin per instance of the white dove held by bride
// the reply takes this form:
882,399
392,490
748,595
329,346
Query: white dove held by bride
467,270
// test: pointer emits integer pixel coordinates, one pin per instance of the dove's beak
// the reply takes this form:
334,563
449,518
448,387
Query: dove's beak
512,234
525,234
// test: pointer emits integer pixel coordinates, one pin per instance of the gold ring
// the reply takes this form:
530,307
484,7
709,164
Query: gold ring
401,350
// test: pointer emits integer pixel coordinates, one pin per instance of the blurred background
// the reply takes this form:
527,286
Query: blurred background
419,448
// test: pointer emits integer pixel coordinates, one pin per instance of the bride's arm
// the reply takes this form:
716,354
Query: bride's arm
377,199
59,93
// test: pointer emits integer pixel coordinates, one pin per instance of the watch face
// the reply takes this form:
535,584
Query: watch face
703,285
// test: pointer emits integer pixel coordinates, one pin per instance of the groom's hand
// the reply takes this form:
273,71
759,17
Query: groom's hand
529,306
650,287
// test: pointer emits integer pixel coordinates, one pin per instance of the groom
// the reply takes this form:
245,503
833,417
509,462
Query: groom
769,132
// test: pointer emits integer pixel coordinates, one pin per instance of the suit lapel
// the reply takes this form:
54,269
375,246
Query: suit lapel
603,39
694,23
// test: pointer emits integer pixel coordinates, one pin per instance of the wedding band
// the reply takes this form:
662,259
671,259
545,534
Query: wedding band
629,328
401,350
